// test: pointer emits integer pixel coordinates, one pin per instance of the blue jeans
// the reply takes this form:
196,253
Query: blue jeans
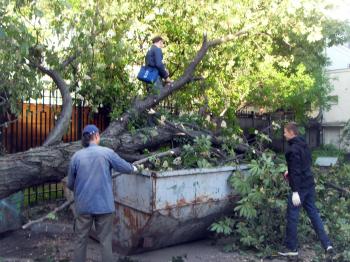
307,197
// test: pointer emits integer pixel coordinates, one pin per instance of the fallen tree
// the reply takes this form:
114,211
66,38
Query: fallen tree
49,163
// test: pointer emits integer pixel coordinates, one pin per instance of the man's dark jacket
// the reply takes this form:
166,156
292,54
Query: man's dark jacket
154,58
299,162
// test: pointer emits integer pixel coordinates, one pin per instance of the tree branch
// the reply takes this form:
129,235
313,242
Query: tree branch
338,188
174,151
3,101
69,60
49,215
117,126
44,164
5,124
63,122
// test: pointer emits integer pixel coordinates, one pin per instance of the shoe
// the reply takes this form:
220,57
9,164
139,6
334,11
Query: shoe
330,251
286,252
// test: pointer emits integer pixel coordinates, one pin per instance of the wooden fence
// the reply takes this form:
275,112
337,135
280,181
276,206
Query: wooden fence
38,119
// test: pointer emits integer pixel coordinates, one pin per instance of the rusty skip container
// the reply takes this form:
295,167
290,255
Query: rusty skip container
166,208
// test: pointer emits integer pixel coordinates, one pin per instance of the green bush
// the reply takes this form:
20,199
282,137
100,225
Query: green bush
258,219
334,191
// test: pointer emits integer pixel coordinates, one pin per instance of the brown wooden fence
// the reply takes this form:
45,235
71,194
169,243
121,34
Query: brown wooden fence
38,119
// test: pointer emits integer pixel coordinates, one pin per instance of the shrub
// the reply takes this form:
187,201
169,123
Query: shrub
258,219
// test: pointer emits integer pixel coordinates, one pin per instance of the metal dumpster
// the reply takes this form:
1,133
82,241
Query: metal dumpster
167,208
10,212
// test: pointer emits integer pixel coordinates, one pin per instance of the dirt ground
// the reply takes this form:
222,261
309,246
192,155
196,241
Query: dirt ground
26,245
53,241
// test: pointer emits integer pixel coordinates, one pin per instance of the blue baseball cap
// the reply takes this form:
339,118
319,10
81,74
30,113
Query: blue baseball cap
90,129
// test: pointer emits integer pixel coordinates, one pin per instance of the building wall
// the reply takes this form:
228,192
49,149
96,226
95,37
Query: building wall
339,57
339,113
339,72
331,135
340,110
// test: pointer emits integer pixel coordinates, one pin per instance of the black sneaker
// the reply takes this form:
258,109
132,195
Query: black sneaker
286,252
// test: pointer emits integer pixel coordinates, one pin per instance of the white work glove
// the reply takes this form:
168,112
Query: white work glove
296,199
135,169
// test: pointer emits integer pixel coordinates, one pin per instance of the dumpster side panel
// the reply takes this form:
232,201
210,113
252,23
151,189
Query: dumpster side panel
128,226
178,191
158,211
10,212
134,191
164,228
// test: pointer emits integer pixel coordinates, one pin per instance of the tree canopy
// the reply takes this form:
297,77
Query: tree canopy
278,63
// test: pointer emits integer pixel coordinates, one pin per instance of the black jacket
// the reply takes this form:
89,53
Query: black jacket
154,58
299,162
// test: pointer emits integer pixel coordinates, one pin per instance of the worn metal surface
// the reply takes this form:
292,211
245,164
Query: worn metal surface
10,212
326,161
166,208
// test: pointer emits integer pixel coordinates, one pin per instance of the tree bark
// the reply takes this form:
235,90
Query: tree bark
62,124
49,164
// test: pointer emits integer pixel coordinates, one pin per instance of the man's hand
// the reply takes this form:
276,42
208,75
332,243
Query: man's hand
285,175
137,170
296,199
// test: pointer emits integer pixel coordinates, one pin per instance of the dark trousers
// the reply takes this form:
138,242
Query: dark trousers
103,225
307,197
156,87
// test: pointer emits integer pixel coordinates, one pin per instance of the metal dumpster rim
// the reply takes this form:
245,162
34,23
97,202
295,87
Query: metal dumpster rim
193,171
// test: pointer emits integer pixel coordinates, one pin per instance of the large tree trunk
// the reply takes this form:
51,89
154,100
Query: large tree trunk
49,164
45,164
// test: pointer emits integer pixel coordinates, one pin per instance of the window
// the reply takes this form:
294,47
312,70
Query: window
333,100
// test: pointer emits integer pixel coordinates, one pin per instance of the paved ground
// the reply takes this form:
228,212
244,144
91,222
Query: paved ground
39,245
54,241
200,251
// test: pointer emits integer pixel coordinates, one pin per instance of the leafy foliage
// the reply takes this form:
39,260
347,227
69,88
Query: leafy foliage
223,226
263,192
193,155
258,219
280,58
335,206
345,138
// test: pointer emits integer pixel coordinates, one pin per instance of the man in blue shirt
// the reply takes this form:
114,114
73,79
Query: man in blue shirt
154,58
89,176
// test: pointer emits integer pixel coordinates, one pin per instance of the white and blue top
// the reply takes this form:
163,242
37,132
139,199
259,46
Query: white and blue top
89,176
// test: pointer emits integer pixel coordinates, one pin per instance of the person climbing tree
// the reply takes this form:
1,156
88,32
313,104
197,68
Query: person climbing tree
154,58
